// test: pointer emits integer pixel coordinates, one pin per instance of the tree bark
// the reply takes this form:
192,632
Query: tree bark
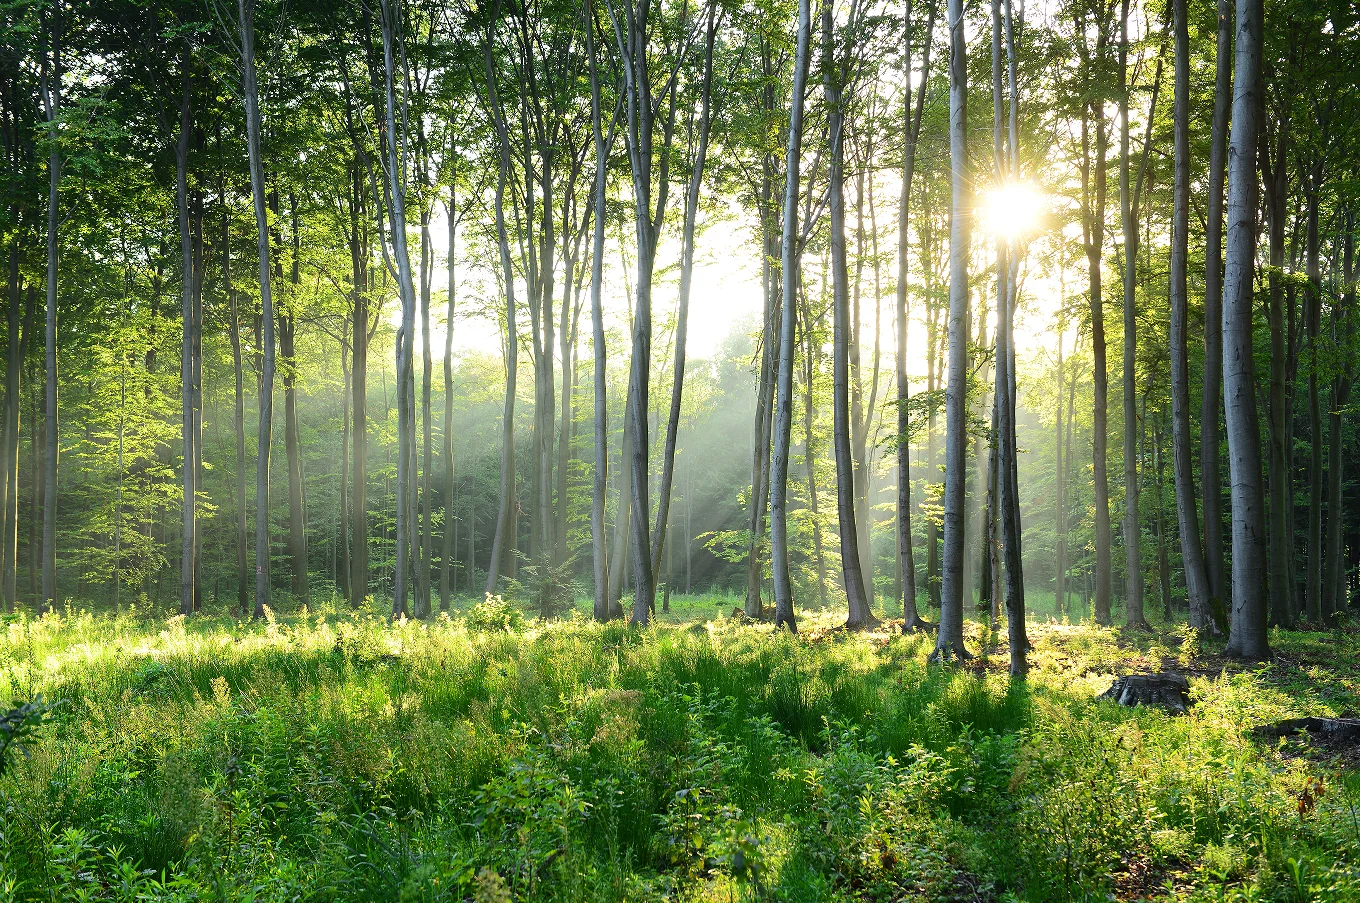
246,14
1247,637
950,639
789,262
505,521
1211,484
857,600
1197,584
50,87
911,123
1133,559
446,556
599,478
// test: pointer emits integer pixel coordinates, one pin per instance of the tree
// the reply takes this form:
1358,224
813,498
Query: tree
1247,634
789,263
950,640
1192,553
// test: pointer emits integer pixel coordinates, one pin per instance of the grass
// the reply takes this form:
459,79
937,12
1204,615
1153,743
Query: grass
334,755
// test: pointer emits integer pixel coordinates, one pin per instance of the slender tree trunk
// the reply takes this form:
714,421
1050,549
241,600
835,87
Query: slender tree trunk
1278,409
950,640
246,12
789,262
1100,382
400,262
911,122
359,247
1333,586
424,607
1319,604
189,545
505,519
51,76
765,389
446,556
1211,487
1133,559
1197,584
599,478
292,435
859,615
1247,637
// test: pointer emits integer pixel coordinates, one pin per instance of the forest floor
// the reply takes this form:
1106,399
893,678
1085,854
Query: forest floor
334,755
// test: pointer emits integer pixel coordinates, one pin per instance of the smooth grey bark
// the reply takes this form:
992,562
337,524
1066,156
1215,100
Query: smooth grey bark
1018,640
18,342
1333,586
292,434
1059,564
505,515
1274,172
1211,482
599,478
189,473
399,262
446,555
1133,558
246,19
359,249
764,412
1316,600
857,599
950,639
242,542
50,87
911,123
425,549
691,214
789,261
1198,588
1247,637
1093,179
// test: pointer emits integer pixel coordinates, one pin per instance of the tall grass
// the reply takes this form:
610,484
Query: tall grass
338,756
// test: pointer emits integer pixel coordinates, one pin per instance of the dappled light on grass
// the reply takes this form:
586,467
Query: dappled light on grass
349,757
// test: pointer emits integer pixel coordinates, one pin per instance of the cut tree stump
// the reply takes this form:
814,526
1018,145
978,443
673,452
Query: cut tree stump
1169,691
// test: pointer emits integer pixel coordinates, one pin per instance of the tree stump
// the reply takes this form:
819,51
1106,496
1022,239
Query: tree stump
1169,691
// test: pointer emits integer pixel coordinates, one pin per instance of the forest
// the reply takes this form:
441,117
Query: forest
680,450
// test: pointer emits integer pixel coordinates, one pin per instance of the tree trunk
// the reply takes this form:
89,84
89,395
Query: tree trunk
859,615
189,545
950,640
1333,586
446,556
765,388
505,520
789,263
1133,560
1319,604
599,478
297,520
359,248
1211,487
1247,638
400,263
1197,584
1275,174
51,76
911,123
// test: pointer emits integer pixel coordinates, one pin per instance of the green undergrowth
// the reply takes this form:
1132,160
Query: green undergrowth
339,756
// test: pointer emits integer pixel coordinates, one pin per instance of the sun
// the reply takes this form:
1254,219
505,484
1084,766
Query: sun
1011,211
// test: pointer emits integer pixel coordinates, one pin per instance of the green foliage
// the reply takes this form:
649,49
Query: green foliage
349,757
